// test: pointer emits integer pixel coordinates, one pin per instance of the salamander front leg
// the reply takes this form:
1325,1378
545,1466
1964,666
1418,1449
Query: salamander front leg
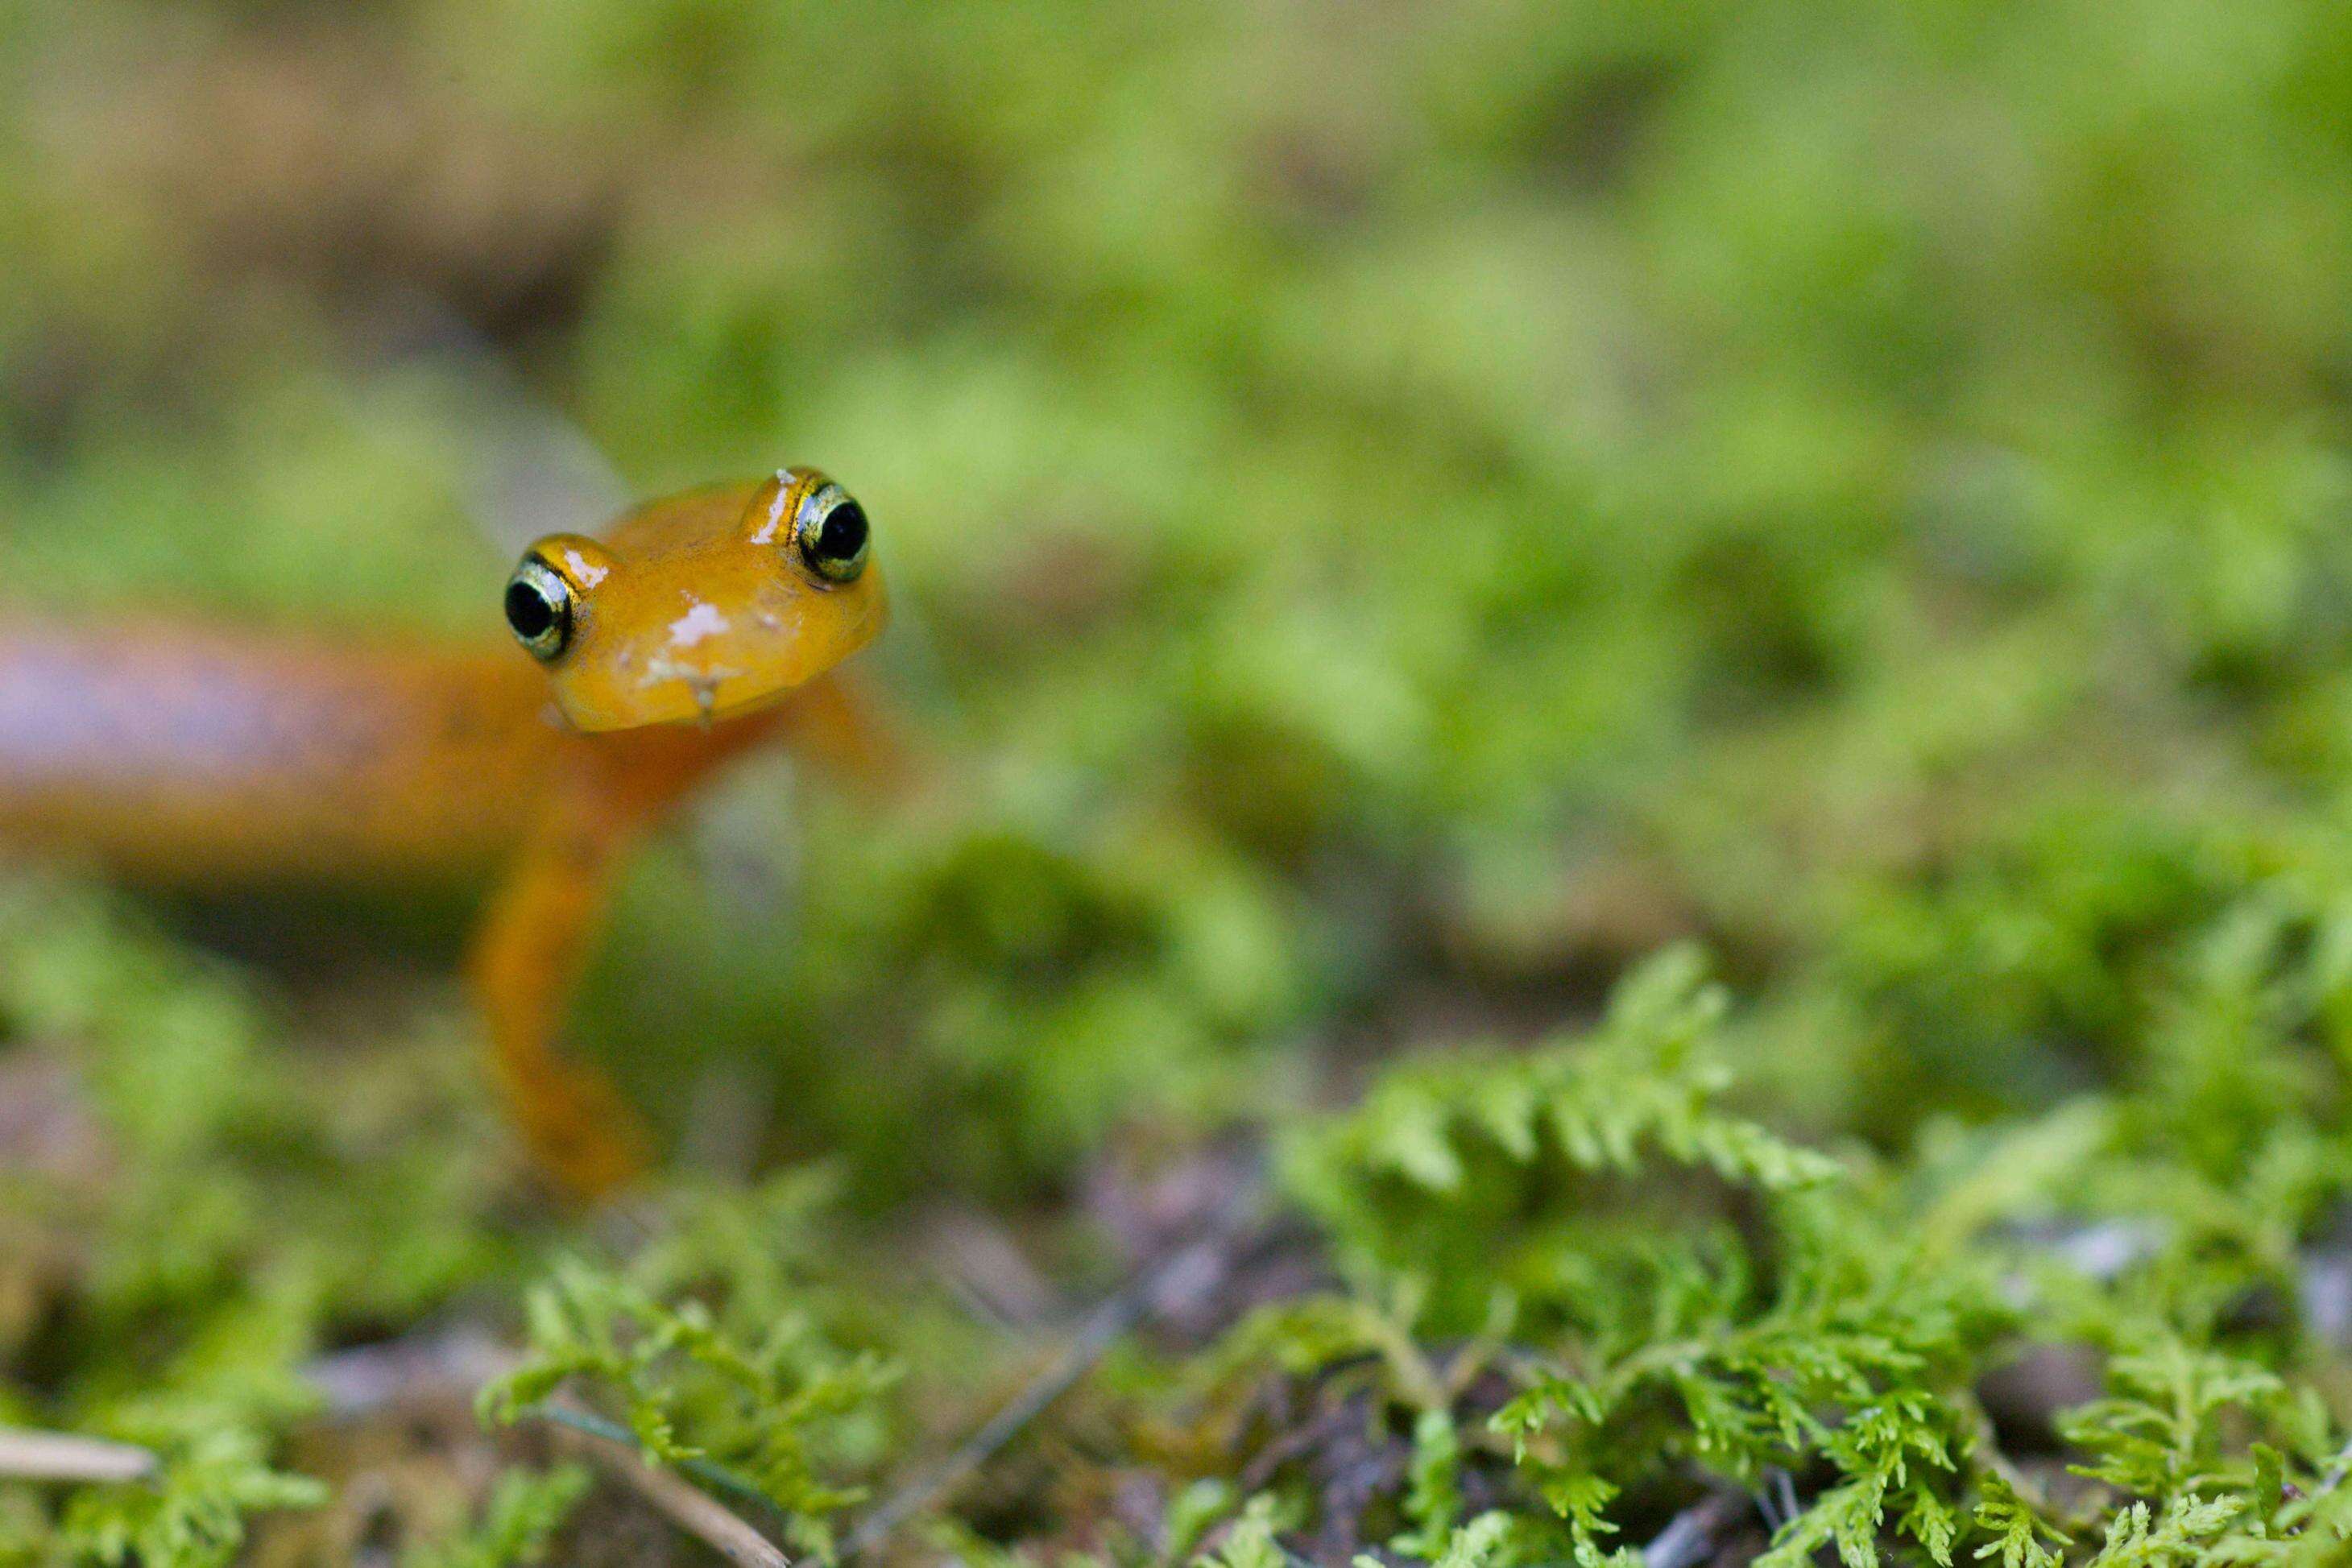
528,959
834,722
535,939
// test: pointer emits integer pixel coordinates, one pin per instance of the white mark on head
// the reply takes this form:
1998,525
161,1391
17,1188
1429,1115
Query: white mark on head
589,573
702,621
775,517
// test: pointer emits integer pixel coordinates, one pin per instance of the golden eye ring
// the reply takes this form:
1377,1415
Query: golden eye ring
831,534
539,609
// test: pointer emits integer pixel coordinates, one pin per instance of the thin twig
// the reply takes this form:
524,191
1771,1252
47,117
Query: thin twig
685,1505
1186,1271
1690,1535
359,1383
1776,1500
563,1413
59,1456
2337,1472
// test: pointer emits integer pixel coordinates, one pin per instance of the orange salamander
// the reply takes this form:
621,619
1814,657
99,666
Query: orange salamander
695,627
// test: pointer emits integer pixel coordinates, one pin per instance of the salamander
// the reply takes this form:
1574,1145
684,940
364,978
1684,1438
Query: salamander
693,628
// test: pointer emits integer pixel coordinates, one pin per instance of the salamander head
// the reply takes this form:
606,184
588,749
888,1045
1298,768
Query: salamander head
701,606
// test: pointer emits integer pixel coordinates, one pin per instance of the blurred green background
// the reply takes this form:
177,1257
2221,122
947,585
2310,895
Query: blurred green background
1397,513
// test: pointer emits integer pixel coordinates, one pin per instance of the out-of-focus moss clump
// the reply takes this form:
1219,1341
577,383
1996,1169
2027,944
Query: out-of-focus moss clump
1399,516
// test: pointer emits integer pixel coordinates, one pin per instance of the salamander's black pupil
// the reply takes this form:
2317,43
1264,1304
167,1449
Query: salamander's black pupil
844,533
529,614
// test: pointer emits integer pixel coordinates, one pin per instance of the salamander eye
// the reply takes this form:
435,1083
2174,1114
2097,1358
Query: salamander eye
539,608
831,534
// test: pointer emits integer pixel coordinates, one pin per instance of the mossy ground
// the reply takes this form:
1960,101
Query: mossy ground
1670,688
